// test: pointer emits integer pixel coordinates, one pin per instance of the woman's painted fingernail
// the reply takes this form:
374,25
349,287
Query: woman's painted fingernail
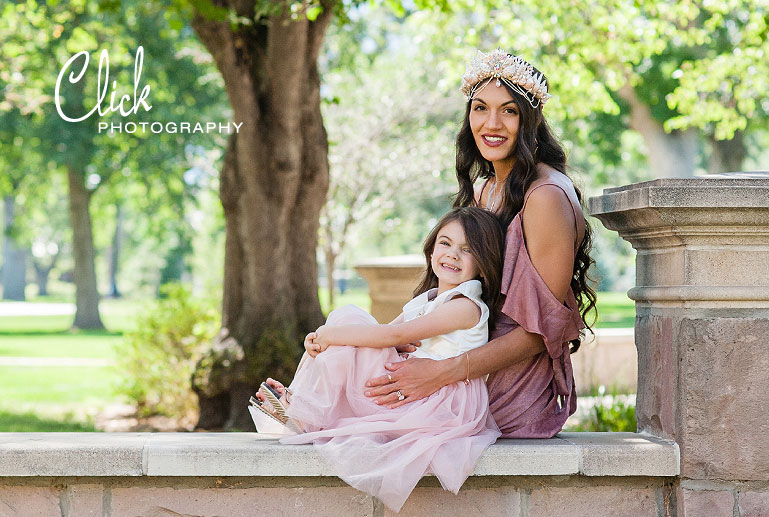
388,365
368,393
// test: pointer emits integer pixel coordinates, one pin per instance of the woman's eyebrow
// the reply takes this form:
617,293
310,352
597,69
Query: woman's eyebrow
444,237
511,101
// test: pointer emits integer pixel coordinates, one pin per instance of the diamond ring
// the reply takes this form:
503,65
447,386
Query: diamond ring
401,396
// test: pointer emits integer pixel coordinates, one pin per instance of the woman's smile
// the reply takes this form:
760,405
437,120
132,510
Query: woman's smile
493,140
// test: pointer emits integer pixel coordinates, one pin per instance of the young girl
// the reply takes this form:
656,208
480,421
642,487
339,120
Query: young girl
381,449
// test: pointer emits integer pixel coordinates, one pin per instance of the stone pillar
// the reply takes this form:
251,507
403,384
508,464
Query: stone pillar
391,283
702,329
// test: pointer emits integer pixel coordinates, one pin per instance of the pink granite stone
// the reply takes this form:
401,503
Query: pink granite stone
710,503
436,501
246,502
23,501
599,501
83,500
723,368
656,375
753,504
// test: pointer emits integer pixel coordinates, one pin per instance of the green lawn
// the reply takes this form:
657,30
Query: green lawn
59,398
30,422
615,310
357,297
58,344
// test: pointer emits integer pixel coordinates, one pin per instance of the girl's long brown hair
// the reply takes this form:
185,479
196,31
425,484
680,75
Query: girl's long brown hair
486,241
535,143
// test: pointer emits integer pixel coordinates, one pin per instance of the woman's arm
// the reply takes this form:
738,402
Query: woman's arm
459,313
550,234
419,378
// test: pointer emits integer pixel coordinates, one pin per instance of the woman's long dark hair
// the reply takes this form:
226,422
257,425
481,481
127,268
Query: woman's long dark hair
535,143
486,240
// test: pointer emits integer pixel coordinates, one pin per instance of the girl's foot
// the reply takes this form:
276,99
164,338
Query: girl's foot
276,385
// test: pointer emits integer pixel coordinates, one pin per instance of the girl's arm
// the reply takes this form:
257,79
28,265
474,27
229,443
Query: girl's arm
550,235
459,313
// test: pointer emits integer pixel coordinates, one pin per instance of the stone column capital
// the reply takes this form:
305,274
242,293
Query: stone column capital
716,200
699,240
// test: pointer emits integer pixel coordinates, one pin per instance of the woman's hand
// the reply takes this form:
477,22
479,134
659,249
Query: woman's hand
415,378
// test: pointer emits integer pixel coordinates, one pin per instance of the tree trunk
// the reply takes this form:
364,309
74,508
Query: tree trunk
273,185
42,273
671,155
330,263
14,257
86,292
727,155
114,252
41,279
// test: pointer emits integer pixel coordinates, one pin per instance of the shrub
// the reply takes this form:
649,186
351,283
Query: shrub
157,359
616,416
619,416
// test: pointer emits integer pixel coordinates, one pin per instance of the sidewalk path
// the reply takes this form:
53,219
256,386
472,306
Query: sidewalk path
36,309
54,361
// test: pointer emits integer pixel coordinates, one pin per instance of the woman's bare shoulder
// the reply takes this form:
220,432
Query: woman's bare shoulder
550,213
548,205
548,174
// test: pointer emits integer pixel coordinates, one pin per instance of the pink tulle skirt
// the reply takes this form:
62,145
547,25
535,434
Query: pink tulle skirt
382,451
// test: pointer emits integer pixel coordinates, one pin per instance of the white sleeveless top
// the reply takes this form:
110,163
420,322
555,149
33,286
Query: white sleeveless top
456,342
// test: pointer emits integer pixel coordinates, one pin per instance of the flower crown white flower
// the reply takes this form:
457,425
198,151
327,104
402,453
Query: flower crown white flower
513,70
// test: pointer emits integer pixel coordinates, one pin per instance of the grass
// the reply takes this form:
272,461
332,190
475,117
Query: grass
61,385
29,422
615,310
59,344
357,297
59,398
54,398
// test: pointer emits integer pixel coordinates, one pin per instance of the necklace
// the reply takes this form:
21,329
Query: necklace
491,200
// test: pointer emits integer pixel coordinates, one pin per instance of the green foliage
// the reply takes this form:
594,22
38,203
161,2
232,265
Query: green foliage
158,358
617,416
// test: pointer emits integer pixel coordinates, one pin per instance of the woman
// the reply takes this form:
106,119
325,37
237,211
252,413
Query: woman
506,141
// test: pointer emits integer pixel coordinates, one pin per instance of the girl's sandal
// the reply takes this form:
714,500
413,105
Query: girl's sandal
267,420
273,397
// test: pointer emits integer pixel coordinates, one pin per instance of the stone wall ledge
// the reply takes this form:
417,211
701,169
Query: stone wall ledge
250,454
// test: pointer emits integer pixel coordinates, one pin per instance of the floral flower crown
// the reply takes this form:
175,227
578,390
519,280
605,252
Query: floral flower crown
513,70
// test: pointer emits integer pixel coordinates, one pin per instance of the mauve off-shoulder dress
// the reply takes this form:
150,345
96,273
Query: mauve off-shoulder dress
533,398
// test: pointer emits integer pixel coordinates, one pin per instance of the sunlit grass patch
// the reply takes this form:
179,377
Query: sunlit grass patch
28,422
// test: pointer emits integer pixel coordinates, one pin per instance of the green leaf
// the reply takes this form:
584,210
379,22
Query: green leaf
313,12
